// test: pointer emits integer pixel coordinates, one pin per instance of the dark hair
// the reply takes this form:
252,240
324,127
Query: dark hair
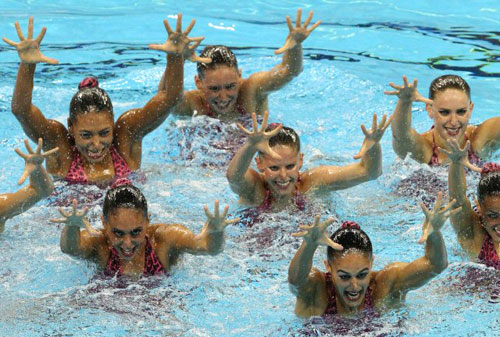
220,55
124,196
446,82
89,98
286,136
351,237
489,184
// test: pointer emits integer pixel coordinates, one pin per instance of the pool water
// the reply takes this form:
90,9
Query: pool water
360,47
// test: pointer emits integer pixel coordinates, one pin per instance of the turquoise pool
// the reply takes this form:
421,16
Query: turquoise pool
348,61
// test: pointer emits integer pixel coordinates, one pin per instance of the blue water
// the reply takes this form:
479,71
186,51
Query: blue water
349,59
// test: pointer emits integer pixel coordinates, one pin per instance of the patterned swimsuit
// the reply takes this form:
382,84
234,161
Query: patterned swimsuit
488,254
152,265
473,157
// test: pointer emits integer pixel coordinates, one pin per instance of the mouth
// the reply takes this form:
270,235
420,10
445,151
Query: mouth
128,252
95,155
353,296
453,132
283,185
223,105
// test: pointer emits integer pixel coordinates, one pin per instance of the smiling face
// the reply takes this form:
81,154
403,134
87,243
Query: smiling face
125,230
451,111
351,278
281,175
93,135
221,87
489,209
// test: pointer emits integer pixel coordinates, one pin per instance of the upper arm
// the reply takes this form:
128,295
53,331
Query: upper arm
250,188
265,82
312,297
177,238
334,177
419,148
485,138
12,204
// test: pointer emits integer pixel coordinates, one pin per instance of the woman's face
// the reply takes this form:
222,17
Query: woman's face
351,277
451,110
221,87
281,175
125,230
93,135
489,209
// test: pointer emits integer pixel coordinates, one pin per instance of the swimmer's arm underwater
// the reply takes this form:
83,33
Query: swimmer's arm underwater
210,241
398,278
41,184
370,167
405,139
243,180
263,83
178,48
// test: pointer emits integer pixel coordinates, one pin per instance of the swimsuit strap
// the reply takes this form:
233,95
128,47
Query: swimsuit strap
76,173
435,157
488,254
114,266
152,265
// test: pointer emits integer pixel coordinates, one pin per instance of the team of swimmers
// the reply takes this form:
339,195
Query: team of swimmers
94,149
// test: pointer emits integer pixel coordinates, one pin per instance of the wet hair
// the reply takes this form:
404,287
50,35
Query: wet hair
489,184
286,136
124,196
220,55
89,98
448,82
351,237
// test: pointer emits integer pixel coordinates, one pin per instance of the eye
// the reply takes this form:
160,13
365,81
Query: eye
85,135
345,277
214,89
444,112
362,275
493,215
231,86
290,166
117,233
462,112
136,231
274,168
104,133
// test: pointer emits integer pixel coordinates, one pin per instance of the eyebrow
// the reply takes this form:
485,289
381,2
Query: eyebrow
345,272
125,232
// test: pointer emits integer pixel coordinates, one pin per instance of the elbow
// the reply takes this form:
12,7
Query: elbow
439,267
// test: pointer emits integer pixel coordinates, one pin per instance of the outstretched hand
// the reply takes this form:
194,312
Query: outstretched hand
374,135
459,155
217,222
435,219
33,159
408,92
179,43
76,218
29,49
298,33
316,233
260,138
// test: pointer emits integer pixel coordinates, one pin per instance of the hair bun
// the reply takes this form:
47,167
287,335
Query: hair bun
89,82
350,224
490,167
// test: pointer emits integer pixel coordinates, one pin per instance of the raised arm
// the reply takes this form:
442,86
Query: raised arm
267,81
244,181
464,221
340,177
210,241
34,123
402,277
486,138
404,138
304,282
40,186
74,241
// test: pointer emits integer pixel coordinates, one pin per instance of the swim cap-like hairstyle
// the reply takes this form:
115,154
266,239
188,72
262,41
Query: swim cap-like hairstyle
446,82
351,237
489,184
286,136
89,98
220,55
124,196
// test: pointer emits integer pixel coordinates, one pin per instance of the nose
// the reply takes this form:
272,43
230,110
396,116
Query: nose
283,173
354,284
96,142
453,118
127,241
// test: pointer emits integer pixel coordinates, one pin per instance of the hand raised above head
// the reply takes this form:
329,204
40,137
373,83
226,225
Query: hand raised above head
408,92
33,159
29,49
260,138
179,43
316,233
374,135
298,33
76,218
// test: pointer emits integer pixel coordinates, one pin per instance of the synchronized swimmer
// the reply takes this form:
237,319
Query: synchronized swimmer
94,149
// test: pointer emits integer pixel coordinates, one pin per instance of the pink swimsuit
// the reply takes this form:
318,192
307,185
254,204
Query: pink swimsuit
473,157
331,309
152,265
76,173
488,254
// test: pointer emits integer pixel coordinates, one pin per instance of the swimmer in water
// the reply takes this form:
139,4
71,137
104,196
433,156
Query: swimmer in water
450,106
221,91
128,244
350,285
279,181
93,149
41,186
478,232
